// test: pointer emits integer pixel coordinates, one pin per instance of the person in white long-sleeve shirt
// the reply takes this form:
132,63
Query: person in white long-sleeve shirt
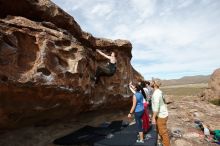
160,113
158,104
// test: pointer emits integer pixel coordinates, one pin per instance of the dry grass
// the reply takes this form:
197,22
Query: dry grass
216,102
184,90
200,85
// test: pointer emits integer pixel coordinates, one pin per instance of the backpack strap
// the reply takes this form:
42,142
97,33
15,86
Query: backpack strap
164,100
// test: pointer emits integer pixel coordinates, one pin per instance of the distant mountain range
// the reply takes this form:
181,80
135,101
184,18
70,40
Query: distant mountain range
187,80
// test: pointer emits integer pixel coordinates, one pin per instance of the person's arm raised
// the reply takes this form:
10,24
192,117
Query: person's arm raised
131,87
103,54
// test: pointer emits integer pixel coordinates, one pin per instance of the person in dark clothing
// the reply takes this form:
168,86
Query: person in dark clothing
108,70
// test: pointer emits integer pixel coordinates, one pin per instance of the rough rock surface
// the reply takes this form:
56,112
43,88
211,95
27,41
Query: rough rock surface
213,90
46,61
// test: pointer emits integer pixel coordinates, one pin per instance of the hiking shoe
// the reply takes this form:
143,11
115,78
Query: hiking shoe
139,141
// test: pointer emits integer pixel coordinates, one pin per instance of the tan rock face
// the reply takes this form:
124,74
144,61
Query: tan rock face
213,91
46,61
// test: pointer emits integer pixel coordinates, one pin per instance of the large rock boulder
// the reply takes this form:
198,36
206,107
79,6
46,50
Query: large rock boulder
213,90
46,61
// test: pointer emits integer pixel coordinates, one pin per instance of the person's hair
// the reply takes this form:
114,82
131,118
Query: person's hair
157,82
115,53
143,85
147,82
139,88
143,93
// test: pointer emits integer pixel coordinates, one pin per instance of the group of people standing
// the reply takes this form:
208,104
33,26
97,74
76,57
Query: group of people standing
148,98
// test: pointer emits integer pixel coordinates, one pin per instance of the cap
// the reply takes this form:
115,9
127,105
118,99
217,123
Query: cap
157,82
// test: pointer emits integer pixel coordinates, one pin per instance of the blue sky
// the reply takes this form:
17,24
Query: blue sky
170,38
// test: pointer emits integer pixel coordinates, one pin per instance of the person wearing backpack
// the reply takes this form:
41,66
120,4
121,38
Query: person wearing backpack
160,113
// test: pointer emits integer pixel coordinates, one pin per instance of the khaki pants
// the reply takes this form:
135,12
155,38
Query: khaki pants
162,130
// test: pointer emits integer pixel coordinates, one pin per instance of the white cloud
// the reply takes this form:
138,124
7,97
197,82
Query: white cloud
144,8
184,3
171,38
101,10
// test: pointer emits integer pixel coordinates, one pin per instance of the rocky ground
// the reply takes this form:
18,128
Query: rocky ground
183,113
